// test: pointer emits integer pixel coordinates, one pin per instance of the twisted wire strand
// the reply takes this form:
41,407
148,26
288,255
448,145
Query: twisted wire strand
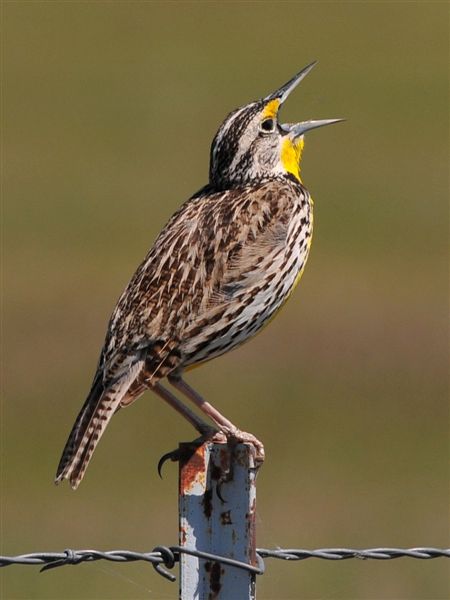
168,556
346,553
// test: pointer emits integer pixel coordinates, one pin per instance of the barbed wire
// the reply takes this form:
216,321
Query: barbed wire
168,556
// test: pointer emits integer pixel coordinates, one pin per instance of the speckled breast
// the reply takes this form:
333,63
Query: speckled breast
254,305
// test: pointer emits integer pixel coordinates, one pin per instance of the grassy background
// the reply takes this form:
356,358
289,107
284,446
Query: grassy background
109,110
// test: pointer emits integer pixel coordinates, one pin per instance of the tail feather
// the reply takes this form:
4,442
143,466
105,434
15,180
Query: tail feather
79,428
89,426
104,410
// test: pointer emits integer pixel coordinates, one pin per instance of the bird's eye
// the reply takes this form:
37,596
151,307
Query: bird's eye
267,125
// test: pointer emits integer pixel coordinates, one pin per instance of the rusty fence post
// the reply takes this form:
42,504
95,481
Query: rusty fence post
217,515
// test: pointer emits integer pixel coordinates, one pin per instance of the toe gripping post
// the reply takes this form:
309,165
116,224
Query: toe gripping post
217,498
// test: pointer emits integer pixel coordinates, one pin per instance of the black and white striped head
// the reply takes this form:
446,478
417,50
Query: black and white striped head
251,145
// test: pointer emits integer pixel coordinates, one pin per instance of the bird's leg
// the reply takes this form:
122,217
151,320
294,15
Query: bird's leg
231,431
201,426
207,432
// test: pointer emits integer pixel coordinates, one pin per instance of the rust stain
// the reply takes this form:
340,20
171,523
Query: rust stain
192,466
183,536
241,456
215,572
225,517
207,503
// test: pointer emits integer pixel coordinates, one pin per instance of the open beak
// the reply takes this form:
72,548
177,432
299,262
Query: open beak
283,92
295,130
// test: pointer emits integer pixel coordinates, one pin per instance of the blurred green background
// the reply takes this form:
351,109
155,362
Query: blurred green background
109,110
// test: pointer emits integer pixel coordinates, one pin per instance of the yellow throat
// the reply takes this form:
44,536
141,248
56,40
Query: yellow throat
291,155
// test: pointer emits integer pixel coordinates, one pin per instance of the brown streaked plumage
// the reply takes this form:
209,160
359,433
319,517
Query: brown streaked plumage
219,270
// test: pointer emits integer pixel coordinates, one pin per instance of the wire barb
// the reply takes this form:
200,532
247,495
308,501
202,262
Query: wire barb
168,556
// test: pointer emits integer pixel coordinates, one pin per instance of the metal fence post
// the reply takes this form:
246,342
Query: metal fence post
217,515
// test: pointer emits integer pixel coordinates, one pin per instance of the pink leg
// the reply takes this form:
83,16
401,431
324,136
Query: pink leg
200,425
226,426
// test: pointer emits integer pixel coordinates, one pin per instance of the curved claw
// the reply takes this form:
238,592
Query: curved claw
173,456
183,453
219,490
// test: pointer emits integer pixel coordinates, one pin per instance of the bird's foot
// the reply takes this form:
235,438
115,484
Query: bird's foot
236,436
231,437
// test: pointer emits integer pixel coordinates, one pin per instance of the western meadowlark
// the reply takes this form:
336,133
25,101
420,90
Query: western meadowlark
224,264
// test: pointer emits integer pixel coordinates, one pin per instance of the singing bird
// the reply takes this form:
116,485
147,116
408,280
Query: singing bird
221,268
